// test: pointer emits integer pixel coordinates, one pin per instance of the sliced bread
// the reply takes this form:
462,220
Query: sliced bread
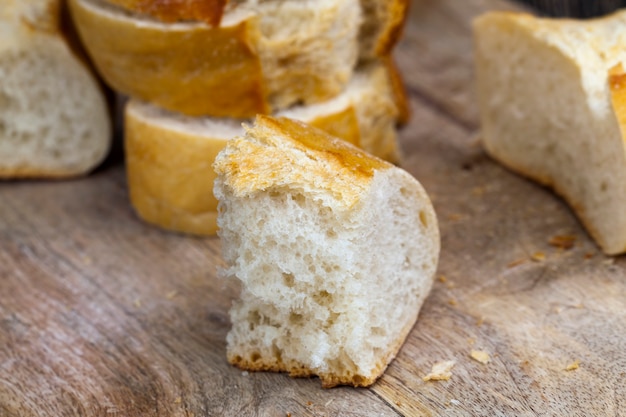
335,251
263,57
551,95
169,156
54,120
383,23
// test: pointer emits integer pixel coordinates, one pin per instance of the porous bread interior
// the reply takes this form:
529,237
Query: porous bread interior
53,117
212,127
327,289
546,111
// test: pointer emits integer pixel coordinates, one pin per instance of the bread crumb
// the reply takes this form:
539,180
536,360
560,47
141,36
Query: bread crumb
478,191
480,321
137,303
455,217
452,302
309,403
399,403
589,255
538,256
178,400
245,373
516,263
471,341
563,241
480,356
573,366
170,295
441,371
442,278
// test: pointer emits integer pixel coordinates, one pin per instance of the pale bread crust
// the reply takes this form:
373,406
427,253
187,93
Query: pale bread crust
594,36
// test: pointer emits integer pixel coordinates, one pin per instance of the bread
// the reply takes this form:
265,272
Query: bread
335,251
262,58
551,96
169,156
383,22
208,11
54,120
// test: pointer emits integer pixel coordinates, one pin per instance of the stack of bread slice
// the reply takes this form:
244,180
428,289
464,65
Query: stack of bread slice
196,71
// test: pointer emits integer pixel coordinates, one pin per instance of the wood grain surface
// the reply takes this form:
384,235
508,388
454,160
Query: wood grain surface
102,315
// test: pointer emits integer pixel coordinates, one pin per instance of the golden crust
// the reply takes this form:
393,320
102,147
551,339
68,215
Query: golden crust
161,63
208,11
328,379
170,179
346,172
392,32
398,88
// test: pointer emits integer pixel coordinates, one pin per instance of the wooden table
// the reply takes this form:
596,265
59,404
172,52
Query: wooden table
102,315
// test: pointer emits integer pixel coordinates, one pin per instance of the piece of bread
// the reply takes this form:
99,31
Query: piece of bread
383,23
263,57
552,102
208,11
335,251
169,155
54,121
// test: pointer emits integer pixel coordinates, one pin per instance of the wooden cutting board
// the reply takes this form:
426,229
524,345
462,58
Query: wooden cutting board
102,315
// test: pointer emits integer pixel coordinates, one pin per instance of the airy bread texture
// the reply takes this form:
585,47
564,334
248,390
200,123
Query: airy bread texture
54,120
169,156
552,104
263,57
335,251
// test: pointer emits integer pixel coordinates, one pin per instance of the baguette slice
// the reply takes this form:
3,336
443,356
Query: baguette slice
335,251
54,120
208,11
262,58
551,95
169,156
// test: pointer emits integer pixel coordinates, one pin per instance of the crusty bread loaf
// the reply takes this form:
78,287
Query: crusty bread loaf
263,57
551,95
54,120
208,11
169,156
335,251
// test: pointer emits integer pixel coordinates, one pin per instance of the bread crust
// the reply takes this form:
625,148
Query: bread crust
208,11
381,32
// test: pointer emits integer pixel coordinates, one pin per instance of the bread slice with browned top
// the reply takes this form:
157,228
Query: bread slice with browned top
552,102
335,251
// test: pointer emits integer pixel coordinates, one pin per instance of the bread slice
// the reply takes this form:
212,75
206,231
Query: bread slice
208,11
335,251
263,57
54,120
551,97
383,23
169,156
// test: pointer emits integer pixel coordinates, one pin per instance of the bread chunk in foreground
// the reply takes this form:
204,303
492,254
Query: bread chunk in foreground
552,101
335,250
